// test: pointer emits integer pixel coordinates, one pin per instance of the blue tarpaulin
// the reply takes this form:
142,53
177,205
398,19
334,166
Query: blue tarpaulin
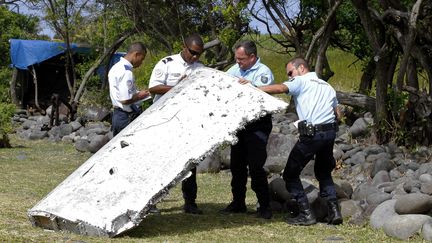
25,53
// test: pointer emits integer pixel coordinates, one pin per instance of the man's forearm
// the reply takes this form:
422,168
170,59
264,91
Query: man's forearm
274,88
160,89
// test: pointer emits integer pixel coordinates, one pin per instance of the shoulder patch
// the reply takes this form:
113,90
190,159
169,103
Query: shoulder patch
158,73
168,59
129,68
264,79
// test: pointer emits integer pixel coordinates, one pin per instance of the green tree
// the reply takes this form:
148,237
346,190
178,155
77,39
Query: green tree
14,26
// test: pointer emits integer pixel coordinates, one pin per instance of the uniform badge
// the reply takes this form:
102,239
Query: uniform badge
158,73
129,83
264,79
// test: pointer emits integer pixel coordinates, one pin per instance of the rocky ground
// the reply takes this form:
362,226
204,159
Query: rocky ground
387,186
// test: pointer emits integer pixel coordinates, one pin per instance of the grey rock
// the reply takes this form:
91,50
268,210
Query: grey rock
28,124
382,164
82,145
344,189
350,208
380,177
363,190
97,142
75,125
425,178
410,185
345,147
337,152
413,203
405,226
382,213
374,149
378,197
386,186
360,127
65,129
308,170
358,158
426,188
351,152
37,134
210,164
374,157
427,230
395,174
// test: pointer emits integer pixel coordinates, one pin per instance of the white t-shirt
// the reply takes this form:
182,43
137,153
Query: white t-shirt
169,71
121,83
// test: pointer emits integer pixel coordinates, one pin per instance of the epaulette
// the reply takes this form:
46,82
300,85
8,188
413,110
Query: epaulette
127,67
168,59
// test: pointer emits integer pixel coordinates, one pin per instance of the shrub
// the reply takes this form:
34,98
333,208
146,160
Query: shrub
6,113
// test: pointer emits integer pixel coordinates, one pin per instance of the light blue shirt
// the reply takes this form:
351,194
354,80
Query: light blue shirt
315,99
259,74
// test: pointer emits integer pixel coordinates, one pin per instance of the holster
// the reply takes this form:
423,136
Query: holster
306,129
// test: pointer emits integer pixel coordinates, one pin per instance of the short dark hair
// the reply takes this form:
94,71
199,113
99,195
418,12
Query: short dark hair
248,46
194,39
297,61
137,47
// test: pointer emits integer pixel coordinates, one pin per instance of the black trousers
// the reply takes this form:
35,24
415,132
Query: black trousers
189,187
320,146
251,152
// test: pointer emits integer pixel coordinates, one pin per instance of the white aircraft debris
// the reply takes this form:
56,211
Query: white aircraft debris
114,189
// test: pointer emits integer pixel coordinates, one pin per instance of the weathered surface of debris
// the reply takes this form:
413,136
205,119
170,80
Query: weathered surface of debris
114,189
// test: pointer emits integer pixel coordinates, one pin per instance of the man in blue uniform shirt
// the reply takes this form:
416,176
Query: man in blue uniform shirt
167,73
316,106
251,149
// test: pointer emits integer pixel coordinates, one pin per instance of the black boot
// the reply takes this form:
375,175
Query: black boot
334,213
305,216
192,208
234,207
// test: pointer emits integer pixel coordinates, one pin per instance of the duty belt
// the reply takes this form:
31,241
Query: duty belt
325,127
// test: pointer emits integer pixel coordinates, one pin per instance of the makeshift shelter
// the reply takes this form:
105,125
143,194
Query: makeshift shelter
40,71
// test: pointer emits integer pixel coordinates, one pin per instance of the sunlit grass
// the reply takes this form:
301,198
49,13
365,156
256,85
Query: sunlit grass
32,169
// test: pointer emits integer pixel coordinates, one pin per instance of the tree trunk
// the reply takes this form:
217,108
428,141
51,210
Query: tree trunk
367,77
12,87
35,81
412,79
90,72
357,100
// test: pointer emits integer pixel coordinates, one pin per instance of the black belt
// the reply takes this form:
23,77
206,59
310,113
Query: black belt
325,127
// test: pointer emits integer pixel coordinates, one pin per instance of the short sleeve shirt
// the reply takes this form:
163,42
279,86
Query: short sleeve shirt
259,74
170,70
315,99
121,83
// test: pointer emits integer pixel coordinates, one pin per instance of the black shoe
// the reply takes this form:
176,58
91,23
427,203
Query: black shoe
234,207
192,208
264,213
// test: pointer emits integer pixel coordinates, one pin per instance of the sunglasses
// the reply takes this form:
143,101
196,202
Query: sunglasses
194,53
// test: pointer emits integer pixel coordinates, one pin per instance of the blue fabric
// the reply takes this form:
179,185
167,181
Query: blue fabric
25,53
